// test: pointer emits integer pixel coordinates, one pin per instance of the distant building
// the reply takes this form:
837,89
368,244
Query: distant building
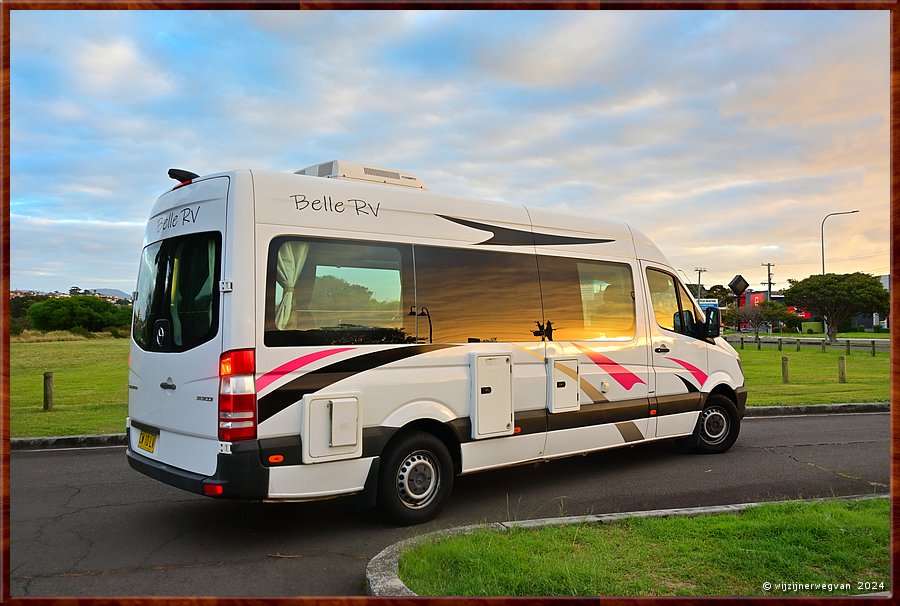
870,321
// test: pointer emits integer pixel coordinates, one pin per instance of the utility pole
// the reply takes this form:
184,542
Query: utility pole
699,271
768,283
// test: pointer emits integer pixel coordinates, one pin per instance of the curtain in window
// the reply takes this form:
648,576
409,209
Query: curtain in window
291,258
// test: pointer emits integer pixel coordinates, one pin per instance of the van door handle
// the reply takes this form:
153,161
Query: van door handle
166,385
662,349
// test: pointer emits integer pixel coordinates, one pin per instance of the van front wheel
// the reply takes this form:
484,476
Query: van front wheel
718,425
416,478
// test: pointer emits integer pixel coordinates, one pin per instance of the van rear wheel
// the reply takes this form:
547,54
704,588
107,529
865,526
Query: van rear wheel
718,425
415,478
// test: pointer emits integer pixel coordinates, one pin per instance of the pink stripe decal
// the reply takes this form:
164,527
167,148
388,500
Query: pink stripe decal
698,374
289,367
619,373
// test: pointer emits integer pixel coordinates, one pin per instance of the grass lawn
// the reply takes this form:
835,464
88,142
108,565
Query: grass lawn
722,555
814,377
90,385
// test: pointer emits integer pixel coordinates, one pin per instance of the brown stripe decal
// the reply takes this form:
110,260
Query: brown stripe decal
629,431
600,413
592,392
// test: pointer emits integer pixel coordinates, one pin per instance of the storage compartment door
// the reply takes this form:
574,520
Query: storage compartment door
492,406
562,384
332,429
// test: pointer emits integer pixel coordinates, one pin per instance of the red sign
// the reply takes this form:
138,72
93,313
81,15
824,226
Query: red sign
756,298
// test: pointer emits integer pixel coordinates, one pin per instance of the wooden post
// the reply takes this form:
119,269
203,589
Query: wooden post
758,343
873,349
785,370
842,369
779,344
847,346
823,345
48,391
742,342
798,344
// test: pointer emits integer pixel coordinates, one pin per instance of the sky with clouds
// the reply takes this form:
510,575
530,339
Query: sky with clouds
724,136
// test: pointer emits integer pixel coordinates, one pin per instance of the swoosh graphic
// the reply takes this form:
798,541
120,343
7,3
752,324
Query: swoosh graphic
698,374
320,378
289,367
619,373
506,236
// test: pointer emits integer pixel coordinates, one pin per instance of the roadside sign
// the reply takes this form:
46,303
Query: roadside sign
707,303
738,285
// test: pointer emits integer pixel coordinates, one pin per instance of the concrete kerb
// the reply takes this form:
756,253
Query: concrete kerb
92,441
119,439
382,572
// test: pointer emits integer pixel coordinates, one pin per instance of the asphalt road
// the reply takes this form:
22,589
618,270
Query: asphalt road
84,524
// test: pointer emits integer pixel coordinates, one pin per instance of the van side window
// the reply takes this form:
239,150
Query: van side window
672,306
321,292
587,299
476,295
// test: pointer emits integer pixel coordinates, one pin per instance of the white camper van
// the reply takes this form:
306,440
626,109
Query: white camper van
343,330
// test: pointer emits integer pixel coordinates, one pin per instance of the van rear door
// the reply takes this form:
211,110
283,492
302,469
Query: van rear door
177,329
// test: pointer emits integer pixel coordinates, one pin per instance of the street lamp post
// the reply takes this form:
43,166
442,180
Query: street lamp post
845,212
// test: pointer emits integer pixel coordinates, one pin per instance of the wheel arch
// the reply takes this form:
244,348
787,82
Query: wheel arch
438,429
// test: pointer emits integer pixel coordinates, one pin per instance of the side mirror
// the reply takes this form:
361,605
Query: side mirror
713,325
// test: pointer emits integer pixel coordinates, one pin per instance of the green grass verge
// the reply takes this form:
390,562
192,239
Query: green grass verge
720,555
814,377
90,385
793,335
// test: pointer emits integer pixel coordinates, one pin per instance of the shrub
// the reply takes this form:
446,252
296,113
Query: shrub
81,332
810,331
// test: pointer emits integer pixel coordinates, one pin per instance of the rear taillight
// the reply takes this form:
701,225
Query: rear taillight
237,395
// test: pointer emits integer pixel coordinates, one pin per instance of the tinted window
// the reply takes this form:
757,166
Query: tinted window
585,299
177,292
474,295
321,292
672,306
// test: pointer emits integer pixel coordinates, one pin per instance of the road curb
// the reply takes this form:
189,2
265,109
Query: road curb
382,576
94,441
119,439
811,409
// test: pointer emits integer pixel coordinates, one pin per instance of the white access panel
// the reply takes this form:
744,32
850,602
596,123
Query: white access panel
344,422
491,412
331,428
562,384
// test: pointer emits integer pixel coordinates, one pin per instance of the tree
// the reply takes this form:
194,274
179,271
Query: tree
752,315
90,313
838,297
722,293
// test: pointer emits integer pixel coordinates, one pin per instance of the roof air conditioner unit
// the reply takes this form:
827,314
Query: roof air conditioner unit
341,169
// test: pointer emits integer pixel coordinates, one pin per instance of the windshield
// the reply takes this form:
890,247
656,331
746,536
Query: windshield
176,306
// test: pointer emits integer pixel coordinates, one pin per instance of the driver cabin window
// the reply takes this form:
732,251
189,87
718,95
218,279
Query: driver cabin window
672,306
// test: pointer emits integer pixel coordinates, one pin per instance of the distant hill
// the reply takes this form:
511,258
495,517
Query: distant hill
112,292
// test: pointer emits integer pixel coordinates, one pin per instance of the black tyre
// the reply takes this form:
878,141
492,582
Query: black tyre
718,426
415,478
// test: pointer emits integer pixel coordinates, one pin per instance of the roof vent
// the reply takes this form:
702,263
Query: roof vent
340,169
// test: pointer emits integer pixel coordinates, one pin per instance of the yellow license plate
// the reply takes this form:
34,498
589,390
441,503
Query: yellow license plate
147,441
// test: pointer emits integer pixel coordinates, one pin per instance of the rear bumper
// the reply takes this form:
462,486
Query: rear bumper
241,474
